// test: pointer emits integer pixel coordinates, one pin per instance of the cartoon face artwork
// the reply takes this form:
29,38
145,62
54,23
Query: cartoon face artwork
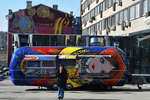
99,65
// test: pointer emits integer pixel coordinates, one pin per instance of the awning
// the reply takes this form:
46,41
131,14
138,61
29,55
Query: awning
144,38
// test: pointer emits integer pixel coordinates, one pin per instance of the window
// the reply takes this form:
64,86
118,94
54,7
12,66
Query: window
100,7
32,63
121,17
48,63
110,3
106,23
126,15
145,6
109,22
88,16
104,5
92,13
132,12
103,24
95,29
148,5
137,8
100,26
88,31
107,4
113,20
117,18
92,30
114,1
96,10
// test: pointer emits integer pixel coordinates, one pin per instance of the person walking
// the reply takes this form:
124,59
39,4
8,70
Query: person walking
62,77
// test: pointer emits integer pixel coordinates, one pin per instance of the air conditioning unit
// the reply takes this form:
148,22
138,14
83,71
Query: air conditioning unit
114,6
81,12
120,2
123,26
128,24
91,21
147,14
101,14
113,28
97,1
85,23
107,29
89,7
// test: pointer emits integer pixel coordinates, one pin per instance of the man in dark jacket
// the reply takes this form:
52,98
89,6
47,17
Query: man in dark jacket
62,77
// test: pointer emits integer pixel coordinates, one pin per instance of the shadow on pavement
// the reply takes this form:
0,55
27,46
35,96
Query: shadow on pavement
96,89
89,99
3,77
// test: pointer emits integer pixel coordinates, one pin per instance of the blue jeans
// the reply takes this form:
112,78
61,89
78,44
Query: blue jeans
60,93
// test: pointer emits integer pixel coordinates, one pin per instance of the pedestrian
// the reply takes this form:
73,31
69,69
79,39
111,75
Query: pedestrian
62,77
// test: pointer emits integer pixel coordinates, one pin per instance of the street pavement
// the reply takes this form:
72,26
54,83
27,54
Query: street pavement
8,91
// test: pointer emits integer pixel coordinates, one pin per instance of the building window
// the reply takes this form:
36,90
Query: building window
103,24
88,31
109,22
109,3
132,12
117,18
95,29
126,15
92,30
92,14
121,17
137,8
113,21
84,31
100,7
113,1
106,22
145,6
96,10
104,5
100,26
148,5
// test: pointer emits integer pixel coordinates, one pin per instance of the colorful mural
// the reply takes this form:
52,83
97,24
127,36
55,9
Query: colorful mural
41,19
106,71
22,23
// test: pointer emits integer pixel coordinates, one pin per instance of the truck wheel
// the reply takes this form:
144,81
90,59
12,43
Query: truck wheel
69,86
109,87
54,86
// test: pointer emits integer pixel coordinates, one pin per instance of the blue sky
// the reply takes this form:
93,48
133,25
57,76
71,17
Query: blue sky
63,5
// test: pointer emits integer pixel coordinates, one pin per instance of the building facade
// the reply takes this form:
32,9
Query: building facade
40,19
114,17
124,21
